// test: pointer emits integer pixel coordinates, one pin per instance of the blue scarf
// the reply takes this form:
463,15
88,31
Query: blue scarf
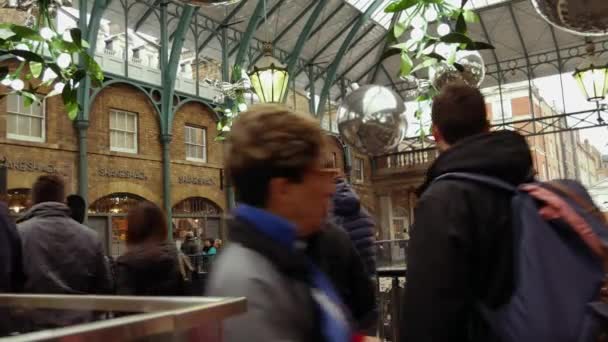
334,324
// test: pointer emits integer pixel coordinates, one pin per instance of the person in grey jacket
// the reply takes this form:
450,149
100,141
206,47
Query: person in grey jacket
61,256
274,161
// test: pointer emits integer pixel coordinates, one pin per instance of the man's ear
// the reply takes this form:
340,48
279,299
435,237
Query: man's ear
437,134
277,188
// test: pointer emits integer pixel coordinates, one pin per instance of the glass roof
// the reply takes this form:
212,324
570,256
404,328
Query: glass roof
384,19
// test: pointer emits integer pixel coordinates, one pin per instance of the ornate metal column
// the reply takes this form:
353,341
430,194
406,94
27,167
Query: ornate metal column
168,65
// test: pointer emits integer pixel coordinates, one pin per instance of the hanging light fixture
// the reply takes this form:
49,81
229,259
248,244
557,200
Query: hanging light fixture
592,76
269,77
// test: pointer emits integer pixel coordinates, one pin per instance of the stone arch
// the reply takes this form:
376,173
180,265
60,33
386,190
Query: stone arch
121,95
214,197
197,114
198,204
99,191
123,200
133,85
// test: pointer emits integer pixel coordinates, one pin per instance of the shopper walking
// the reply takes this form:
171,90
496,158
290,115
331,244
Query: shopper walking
152,265
274,161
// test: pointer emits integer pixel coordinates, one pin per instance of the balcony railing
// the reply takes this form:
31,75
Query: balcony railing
406,159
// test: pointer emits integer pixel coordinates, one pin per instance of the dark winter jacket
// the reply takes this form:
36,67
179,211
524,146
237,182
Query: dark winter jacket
335,254
150,270
61,256
358,223
461,252
11,265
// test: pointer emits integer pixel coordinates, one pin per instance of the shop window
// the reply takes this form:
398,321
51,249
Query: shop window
18,201
196,143
25,122
123,131
358,169
112,210
198,215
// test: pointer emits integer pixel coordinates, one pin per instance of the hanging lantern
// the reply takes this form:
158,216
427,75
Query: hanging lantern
269,78
210,3
592,76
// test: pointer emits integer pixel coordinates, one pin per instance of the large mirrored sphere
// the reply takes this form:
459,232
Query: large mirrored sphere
372,119
473,74
587,18
210,2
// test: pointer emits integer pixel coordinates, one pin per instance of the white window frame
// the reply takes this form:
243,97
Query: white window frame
204,146
497,110
29,138
134,150
359,175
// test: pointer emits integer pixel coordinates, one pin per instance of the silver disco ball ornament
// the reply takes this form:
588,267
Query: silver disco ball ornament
582,17
473,73
372,119
210,3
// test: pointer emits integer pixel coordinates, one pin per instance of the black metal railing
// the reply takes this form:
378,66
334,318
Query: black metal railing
391,259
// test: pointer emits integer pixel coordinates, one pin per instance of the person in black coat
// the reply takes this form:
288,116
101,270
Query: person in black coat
12,277
356,221
334,253
78,207
461,246
151,265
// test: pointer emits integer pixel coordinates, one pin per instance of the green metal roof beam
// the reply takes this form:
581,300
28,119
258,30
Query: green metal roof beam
332,70
145,16
170,70
261,22
222,25
330,42
302,39
369,29
359,60
252,26
376,66
327,19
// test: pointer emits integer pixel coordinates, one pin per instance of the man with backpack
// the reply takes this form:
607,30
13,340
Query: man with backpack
461,248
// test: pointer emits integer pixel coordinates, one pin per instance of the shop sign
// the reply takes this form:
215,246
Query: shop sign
28,166
195,180
112,173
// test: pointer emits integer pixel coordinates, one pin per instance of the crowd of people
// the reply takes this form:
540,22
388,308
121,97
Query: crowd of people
301,246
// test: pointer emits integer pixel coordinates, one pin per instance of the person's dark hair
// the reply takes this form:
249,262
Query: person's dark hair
77,206
269,142
459,111
146,221
48,188
211,241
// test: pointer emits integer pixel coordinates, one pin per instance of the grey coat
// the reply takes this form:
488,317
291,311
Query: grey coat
279,304
61,256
